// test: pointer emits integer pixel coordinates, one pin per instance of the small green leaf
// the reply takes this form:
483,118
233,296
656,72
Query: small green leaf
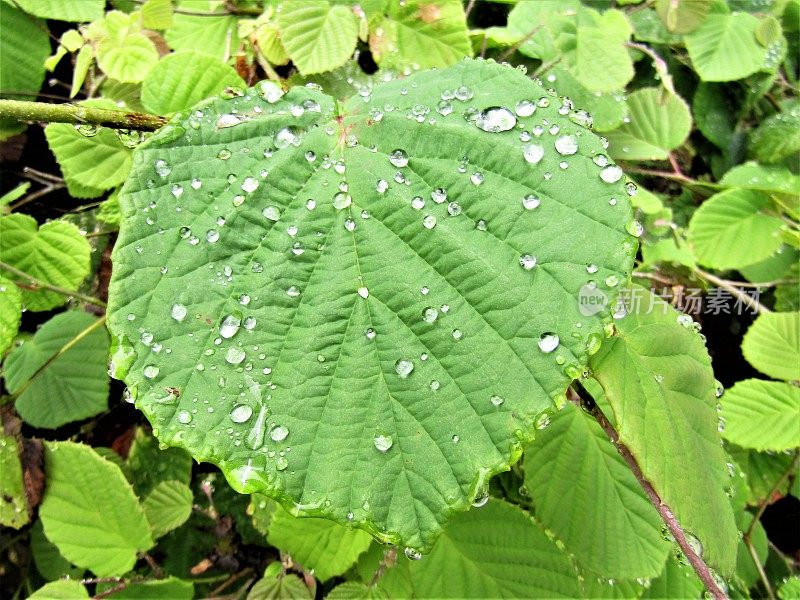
327,547
128,59
762,415
361,374
601,63
613,531
82,63
90,163
81,11
317,36
545,25
210,35
724,47
495,551
88,498
56,253
772,345
150,465
13,502
352,590
420,33
15,194
657,123
761,470
64,589
683,16
180,80
279,586
168,506
657,376
24,46
269,43
715,112
10,313
59,375
778,137
717,228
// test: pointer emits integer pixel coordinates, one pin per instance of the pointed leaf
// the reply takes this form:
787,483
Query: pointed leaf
88,498
772,345
379,342
56,253
59,375
657,376
586,494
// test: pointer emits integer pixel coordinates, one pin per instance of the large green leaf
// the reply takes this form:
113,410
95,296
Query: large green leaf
496,551
331,341
59,375
421,34
718,227
88,498
772,345
586,494
778,137
327,547
677,581
13,502
725,48
125,54
56,253
24,46
657,123
762,415
91,160
317,36
10,313
278,585
770,179
657,377
62,10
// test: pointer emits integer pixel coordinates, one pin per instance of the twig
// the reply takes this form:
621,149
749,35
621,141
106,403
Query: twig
41,176
470,6
20,110
36,284
157,570
36,195
762,506
519,44
230,581
388,560
697,563
672,176
674,164
728,286
659,64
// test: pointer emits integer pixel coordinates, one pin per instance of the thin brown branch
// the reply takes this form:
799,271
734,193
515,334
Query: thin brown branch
36,284
734,291
519,44
698,564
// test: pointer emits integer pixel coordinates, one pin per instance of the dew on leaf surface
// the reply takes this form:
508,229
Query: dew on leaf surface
241,413
383,442
495,119
403,367
178,312
548,341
